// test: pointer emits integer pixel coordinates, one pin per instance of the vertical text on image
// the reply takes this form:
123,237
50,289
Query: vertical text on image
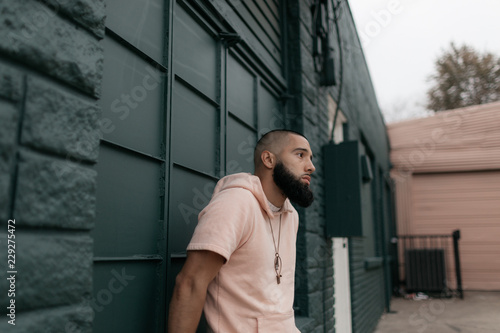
11,270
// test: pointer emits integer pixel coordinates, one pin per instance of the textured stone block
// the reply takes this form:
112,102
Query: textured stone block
54,193
317,252
8,137
52,270
68,319
60,122
88,13
36,36
316,278
316,306
11,83
315,212
304,324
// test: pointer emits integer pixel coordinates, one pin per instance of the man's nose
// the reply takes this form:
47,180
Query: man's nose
310,167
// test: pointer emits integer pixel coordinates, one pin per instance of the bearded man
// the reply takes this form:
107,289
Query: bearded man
240,266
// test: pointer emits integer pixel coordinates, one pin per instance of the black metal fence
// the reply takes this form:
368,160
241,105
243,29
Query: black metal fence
430,263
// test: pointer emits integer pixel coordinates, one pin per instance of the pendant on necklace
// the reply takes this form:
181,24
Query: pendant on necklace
277,258
277,268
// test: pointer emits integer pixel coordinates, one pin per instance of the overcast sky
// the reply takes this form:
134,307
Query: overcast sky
401,39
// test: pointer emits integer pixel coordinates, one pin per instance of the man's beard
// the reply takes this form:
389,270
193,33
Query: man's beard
292,186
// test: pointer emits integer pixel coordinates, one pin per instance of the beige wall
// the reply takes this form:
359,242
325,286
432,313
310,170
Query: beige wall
447,175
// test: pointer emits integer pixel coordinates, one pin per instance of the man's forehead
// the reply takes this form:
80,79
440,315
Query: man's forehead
283,140
295,141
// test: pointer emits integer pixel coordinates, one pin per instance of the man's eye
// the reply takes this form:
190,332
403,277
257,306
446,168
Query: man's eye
300,154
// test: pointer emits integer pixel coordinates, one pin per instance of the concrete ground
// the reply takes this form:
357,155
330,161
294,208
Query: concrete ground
478,312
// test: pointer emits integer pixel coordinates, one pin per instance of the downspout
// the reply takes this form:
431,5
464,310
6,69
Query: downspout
341,63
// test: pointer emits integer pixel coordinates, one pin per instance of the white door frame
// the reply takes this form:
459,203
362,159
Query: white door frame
342,285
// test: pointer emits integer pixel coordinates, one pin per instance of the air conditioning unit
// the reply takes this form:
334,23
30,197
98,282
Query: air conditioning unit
425,270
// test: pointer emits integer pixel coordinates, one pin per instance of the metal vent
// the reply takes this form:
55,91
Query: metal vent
425,270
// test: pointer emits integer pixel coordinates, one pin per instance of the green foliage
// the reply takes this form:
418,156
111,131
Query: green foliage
464,77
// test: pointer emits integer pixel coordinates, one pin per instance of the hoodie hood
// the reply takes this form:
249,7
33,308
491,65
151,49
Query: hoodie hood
251,183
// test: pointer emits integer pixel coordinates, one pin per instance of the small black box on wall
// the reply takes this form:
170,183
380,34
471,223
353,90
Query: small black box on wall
344,174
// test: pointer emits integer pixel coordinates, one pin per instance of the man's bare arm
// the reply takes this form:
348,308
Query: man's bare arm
190,290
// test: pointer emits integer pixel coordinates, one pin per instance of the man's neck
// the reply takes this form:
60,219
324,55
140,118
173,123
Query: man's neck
271,190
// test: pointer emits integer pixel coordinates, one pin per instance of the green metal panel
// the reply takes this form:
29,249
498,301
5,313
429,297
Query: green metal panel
129,250
217,101
163,151
128,209
195,131
191,193
241,142
196,138
140,23
126,297
131,100
240,91
195,54
270,112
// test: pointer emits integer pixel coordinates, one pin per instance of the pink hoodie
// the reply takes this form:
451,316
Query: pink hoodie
245,296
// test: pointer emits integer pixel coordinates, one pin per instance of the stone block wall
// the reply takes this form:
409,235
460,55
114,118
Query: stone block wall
51,64
314,281
315,297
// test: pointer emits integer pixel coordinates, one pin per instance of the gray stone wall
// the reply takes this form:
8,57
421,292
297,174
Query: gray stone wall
314,286
50,79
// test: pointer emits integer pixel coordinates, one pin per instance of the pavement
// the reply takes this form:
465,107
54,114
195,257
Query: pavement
478,312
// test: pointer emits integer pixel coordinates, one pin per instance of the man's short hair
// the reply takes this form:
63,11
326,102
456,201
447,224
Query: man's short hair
270,141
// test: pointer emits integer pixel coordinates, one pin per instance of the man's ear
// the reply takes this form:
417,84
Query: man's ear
268,159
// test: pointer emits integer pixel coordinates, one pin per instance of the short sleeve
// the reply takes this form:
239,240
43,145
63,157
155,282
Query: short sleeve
226,223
